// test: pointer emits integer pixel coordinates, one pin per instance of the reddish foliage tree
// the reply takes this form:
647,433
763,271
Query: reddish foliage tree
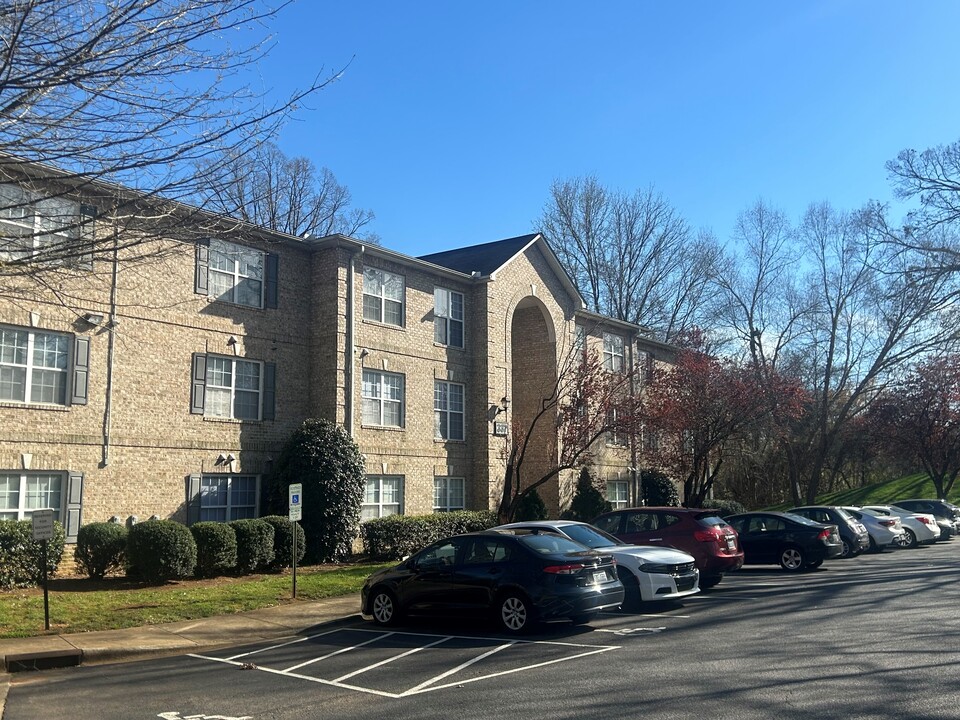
702,406
921,417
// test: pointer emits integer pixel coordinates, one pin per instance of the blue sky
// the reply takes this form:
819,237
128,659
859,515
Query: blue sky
452,119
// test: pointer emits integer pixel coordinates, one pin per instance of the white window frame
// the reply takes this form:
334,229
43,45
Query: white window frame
40,221
443,415
376,301
229,508
618,494
614,438
446,316
212,389
30,369
237,274
24,508
374,505
614,352
580,339
381,398
449,493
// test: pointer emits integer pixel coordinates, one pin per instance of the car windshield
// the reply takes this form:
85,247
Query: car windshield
844,514
589,536
546,543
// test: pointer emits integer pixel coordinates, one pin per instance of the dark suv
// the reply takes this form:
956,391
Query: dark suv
853,534
940,509
702,533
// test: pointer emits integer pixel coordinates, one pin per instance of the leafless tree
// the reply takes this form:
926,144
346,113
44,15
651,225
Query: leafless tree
632,257
290,195
933,177
113,104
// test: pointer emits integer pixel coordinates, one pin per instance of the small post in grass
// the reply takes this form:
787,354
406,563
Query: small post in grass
296,512
42,526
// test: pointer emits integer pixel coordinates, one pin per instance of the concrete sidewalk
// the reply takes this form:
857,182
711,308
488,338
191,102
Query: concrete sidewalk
174,638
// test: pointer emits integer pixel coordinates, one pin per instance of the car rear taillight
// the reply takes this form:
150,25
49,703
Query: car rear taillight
925,520
887,523
824,534
711,535
571,569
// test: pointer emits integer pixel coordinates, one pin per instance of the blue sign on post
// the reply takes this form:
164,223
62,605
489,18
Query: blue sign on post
296,506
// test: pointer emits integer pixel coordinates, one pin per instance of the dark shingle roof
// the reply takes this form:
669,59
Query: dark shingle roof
485,258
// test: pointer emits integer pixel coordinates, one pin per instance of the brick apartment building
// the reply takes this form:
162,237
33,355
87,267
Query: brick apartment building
167,384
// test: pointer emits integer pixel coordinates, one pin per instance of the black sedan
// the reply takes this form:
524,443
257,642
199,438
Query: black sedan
518,579
794,542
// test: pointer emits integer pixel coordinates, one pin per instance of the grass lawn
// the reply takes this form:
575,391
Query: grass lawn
911,486
78,604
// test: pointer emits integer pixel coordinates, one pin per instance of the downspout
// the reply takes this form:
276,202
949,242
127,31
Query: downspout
349,374
111,350
634,485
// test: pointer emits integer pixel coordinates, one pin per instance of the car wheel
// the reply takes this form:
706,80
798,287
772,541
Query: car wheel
383,607
792,559
813,565
631,589
845,549
874,548
709,581
514,613
911,538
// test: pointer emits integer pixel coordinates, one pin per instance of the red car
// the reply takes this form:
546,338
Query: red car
702,533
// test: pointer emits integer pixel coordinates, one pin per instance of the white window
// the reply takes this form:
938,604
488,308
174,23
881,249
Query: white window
447,494
618,494
235,274
30,223
228,497
383,496
233,388
23,492
448,410
448,317
383,296
33,366
612,352
580,339
615,436
382,395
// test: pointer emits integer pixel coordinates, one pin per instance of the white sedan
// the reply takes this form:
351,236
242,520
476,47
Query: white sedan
919,528
647,573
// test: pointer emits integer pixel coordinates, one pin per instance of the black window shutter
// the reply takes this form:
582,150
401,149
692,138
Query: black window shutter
269,390
271,286
74,505
201,285
87,236
193,499
198,383
80,371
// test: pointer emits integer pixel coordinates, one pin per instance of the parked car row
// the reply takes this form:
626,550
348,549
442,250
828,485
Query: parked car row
526,572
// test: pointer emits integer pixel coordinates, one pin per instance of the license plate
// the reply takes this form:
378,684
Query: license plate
599,577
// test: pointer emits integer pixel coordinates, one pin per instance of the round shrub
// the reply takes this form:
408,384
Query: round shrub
530,507
254,545
588,501
725,507
658,490
20,564
160,550
216,548
283,531
101,549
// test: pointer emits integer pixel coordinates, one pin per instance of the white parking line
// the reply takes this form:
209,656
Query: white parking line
422,687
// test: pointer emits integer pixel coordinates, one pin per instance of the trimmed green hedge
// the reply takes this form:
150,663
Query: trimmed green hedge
101,548
216,548
160,550
396,536
20,564
283,541
254,545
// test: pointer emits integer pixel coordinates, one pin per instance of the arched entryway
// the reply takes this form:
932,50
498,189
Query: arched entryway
533,363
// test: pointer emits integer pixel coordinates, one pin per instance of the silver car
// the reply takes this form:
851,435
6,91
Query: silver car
647,573
884,530
918,528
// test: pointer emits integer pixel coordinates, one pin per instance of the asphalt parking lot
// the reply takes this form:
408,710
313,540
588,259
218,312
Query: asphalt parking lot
873,637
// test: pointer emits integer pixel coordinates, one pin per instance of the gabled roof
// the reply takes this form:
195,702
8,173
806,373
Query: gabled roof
485,259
